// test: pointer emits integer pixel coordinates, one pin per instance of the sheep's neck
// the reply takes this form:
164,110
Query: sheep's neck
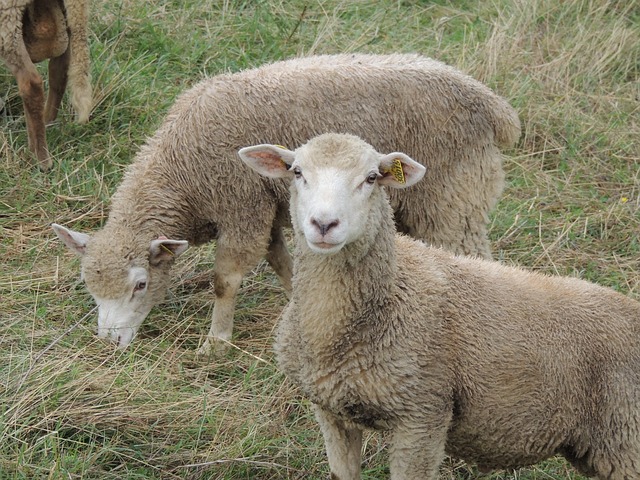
149,225
144,205
333,292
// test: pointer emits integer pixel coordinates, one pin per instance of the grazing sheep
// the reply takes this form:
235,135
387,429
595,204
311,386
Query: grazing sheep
32,31
188,184
491,364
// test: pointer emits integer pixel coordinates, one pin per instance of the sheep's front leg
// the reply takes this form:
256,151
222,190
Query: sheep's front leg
58,68
343,444
416,453
32,93
227,278
230,267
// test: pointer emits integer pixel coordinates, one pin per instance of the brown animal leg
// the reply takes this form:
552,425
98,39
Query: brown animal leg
13,51
32,93
58,74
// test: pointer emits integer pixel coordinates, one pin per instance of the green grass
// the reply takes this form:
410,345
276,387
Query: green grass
73,407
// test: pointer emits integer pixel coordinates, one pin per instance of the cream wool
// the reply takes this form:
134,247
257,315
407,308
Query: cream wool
492,364
188,184
35,30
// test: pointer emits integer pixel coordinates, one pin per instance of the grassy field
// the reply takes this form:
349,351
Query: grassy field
73,407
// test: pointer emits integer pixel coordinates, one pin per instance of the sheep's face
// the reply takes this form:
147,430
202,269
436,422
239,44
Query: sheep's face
329,203
334,177
125,280
123,304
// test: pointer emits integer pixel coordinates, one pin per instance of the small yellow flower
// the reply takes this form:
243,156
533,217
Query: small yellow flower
624,200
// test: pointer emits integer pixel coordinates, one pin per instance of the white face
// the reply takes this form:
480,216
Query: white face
120,318
332,205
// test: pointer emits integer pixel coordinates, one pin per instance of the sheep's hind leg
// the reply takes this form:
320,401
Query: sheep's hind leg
230,267
343,444
279,258
612,448
17,58
620,465
58,74
617,458
31,90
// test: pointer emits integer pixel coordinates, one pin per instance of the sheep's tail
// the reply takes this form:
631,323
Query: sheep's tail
79,67
506,124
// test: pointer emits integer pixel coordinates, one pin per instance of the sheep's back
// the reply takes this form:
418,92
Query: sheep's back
391,101
408,103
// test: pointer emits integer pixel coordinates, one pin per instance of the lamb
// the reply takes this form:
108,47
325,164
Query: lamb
32,31
188,186
489,363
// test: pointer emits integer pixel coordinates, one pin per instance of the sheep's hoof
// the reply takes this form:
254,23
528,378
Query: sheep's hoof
213,346
45,163
82,118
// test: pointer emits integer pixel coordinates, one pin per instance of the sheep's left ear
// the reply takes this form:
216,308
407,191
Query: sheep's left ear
400,171
271,161
163,249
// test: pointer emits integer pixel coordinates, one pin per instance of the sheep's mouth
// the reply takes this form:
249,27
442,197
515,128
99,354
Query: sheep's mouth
325,247
121,336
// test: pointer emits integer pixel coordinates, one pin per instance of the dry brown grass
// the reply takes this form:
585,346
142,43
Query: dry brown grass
73,407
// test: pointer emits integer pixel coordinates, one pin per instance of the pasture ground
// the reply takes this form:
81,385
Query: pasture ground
72,407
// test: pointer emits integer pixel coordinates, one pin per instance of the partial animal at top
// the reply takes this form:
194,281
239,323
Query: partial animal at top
35,30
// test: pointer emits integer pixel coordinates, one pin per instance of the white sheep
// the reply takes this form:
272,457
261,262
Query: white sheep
187,183
492,364
32,31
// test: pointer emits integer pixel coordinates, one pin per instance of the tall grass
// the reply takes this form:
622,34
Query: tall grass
73,407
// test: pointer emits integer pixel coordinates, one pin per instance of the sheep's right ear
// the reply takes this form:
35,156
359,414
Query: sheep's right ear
75,241
272,161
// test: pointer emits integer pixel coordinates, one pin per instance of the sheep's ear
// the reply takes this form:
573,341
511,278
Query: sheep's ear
75,241
163,249
272,161
400,171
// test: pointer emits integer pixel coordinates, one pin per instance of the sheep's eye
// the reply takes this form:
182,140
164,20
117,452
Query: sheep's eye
372,178
140,286
297,172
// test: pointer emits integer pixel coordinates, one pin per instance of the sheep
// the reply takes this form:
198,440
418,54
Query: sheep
188,185
488,363
32,31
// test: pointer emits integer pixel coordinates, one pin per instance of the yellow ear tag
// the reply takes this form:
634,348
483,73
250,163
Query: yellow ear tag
283,162
166,249
396,170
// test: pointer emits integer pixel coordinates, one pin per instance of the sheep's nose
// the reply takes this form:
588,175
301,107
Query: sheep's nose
324,227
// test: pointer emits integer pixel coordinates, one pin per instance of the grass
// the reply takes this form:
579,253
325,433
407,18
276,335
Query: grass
73,407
